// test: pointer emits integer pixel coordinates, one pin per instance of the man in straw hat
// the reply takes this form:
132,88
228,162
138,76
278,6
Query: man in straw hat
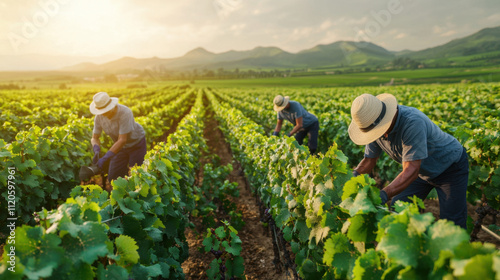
430,157
303,121
118,122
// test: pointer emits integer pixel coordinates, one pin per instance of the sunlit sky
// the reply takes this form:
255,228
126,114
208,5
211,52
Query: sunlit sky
167,28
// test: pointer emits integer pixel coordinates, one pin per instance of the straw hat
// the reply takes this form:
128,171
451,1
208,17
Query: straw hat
102,103
280,102
371,117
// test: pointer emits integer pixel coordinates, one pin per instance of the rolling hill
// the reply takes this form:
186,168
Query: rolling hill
484,41
337,54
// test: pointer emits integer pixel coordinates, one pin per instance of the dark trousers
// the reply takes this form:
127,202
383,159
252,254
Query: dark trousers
126,158
451,187
313,131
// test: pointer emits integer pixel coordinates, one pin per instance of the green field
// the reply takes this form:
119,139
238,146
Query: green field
422,76
53,79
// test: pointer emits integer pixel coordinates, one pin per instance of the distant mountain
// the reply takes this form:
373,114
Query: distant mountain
197,58
338,54
343,53
486,40
35,62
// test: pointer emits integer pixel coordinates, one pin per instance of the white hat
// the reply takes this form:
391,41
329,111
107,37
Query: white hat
371,117
280,102
102,103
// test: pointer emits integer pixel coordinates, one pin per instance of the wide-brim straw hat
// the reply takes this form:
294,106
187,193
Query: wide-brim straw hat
280,102
102,103
371,117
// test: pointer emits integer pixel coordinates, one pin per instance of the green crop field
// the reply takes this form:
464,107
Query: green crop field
420,76
325,223
315,78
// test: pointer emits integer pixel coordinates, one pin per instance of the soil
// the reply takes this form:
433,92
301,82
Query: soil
432,206
256,242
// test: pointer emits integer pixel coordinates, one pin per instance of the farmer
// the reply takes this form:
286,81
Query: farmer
303,121
430,157
118,122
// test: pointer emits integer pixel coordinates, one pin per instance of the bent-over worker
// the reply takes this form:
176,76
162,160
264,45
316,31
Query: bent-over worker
430,157
117,121
304,122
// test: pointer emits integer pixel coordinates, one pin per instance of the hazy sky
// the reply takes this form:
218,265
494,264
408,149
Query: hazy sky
167,28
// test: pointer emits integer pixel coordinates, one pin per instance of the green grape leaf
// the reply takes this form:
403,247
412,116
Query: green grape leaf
126,248
81,271
309,270
444,236
337,243
362,228
361,204
368,266
39,253
207,242
111,272
89,245
238,267
302,230
174,251
477,267
213,270
399,245
221,233
287,233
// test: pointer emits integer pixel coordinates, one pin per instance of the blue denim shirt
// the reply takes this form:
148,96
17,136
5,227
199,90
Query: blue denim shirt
296,111
416,137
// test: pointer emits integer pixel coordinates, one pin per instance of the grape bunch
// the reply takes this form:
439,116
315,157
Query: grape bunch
217,253
267,216
222,269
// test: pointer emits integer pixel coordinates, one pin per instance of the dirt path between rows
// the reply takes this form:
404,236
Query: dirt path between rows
257,245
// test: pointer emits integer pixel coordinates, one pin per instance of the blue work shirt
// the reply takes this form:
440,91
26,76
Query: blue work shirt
296,111
416,137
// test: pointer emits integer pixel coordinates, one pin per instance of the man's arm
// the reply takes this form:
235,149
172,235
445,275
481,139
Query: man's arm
95,140
404,179
366,165
297,127
118,145
278,126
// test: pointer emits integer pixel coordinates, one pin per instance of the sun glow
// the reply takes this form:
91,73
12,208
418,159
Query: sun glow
96,25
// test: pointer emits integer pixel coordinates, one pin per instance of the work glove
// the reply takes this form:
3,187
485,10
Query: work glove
289,135
384,197
105,158
276,133
97,150
355,173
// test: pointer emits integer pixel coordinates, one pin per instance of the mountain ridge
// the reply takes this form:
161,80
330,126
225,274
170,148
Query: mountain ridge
336,54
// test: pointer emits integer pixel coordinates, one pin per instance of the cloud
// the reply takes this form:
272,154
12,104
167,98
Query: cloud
495,18
171,28
326,24
448,33
226,7
445,31
401,36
